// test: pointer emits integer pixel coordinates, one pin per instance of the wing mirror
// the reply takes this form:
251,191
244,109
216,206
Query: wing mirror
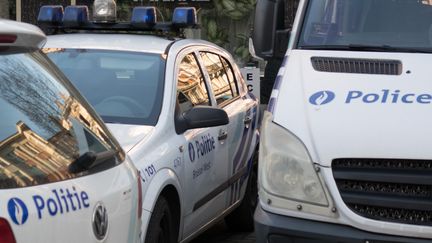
270,38
200,117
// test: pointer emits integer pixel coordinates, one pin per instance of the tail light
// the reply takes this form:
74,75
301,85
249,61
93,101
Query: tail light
6,234
5,38
140,199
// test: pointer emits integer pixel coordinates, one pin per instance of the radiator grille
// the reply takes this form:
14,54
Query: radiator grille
363,66
391,190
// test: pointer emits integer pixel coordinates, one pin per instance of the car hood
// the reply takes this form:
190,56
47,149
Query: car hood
129,135
346,115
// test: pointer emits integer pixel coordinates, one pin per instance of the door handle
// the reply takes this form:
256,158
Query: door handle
222,135
247,120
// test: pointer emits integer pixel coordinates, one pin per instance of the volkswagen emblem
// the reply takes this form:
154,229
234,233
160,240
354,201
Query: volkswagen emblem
100,221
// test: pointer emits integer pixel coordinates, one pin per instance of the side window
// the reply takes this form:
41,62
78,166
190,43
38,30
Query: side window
219,77
231,77
191,88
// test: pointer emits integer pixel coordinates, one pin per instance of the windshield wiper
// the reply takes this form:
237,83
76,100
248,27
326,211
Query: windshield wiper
361,47
89,160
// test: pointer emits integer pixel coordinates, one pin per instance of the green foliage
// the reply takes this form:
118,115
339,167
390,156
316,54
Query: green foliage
235,9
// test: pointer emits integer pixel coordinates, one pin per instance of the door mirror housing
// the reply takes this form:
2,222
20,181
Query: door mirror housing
200,117
270,38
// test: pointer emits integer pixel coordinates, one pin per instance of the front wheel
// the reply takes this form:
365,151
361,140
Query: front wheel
161,227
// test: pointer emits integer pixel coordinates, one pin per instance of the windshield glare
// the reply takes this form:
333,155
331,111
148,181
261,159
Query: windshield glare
397,23
123,87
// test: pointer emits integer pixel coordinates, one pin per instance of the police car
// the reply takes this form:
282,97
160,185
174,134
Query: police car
179,107
63,178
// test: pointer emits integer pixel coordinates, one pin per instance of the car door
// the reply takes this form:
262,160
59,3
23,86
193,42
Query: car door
206,168
242,112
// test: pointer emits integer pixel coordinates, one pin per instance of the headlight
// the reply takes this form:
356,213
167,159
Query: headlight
286,169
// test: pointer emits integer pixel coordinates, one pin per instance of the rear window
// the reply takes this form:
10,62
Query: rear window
44,128
124,87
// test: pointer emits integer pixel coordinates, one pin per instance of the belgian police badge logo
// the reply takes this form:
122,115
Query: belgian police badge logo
322,98
18,211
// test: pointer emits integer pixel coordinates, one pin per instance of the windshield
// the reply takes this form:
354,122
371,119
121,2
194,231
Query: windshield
123,87
379,23
44,126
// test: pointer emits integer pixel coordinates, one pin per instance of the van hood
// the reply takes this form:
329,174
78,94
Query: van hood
129,135
351,115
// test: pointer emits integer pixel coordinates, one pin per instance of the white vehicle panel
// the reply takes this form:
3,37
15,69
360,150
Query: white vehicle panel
66,208
129,135
361,129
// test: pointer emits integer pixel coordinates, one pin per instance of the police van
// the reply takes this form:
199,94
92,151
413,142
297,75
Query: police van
345,145
63,178
179,107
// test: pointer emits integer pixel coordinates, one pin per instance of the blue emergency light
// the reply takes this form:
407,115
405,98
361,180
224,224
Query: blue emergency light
75,16
184,16
143,16
51,14
54,20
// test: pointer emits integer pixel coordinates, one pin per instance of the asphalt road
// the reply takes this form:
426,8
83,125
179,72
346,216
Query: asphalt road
220,234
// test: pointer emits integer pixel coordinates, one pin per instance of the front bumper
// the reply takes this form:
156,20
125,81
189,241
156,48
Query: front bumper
274,228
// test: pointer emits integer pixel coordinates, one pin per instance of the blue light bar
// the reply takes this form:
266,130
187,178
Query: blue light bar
143,16
184,16
51,14
75,16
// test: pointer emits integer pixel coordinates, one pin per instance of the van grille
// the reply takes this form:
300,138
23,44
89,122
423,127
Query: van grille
392,190
350,65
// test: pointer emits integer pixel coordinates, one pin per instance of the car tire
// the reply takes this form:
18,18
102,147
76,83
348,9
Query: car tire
241,219
161,227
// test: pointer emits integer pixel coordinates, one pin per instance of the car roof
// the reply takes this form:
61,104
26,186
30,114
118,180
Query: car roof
103,41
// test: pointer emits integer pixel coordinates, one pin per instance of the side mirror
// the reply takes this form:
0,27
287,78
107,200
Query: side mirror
200,117
270,38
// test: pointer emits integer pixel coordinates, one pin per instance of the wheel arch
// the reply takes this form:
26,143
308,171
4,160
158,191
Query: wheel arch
165,183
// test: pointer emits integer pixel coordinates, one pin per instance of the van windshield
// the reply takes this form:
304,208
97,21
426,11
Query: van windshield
370,25
123,87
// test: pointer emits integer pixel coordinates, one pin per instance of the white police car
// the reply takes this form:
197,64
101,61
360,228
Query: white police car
62,176
180,109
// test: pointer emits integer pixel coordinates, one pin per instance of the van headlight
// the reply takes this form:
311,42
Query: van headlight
286,169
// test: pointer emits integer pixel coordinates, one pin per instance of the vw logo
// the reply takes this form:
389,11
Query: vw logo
100,221
18,211
322,98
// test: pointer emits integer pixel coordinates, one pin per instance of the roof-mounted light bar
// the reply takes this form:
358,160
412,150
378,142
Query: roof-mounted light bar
104,11
184,17
75,16
144,17
51,14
